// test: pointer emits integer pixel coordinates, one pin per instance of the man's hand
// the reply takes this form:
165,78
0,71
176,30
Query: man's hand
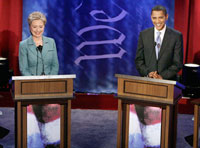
155,75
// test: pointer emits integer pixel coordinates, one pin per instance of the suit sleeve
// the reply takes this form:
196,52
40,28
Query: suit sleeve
55,64
23,60
177,62
140,59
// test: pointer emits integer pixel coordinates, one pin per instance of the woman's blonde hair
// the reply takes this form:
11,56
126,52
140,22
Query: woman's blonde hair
36,16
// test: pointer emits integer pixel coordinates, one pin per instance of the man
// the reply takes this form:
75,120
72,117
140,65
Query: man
159,56
170,49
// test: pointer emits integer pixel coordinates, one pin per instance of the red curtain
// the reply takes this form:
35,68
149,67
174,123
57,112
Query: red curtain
187,20
10,31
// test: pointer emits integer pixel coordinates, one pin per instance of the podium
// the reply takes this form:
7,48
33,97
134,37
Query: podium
148,92
48,89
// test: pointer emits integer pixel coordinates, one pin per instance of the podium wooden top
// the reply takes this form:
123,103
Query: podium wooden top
147,89
42,87
43,77
177,84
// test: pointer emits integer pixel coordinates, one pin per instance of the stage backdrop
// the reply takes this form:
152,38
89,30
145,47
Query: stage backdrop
95,38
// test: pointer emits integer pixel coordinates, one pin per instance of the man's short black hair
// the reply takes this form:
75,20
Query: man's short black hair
159,8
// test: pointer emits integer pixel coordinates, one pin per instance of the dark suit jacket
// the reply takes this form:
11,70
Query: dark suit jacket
170,58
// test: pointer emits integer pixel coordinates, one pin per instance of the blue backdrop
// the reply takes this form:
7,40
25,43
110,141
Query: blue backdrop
95,38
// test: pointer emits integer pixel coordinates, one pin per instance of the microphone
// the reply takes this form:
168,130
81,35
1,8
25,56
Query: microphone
39,48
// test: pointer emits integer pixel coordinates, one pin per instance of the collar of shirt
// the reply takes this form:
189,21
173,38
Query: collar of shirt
161,35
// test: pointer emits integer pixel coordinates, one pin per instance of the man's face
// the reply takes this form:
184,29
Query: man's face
158,19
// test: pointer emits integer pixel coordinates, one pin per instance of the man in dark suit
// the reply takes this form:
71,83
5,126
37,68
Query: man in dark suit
159,56
170,56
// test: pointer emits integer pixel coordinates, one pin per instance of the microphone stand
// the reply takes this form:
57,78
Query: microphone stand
37,61
42,65
40,49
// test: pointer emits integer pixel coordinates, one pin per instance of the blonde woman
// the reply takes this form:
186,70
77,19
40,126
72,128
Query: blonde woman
38,56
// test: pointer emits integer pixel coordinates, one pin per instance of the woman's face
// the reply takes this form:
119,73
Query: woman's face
37,28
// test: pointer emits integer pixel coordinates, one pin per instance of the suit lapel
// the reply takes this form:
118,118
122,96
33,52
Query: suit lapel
32,47
165,43
45,46
152,43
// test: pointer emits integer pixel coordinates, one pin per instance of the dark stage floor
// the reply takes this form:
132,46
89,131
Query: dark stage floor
94,128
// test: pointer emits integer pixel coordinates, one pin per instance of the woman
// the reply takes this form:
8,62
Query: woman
38,56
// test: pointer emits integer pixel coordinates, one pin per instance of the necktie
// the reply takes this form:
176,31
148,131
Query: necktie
158,44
